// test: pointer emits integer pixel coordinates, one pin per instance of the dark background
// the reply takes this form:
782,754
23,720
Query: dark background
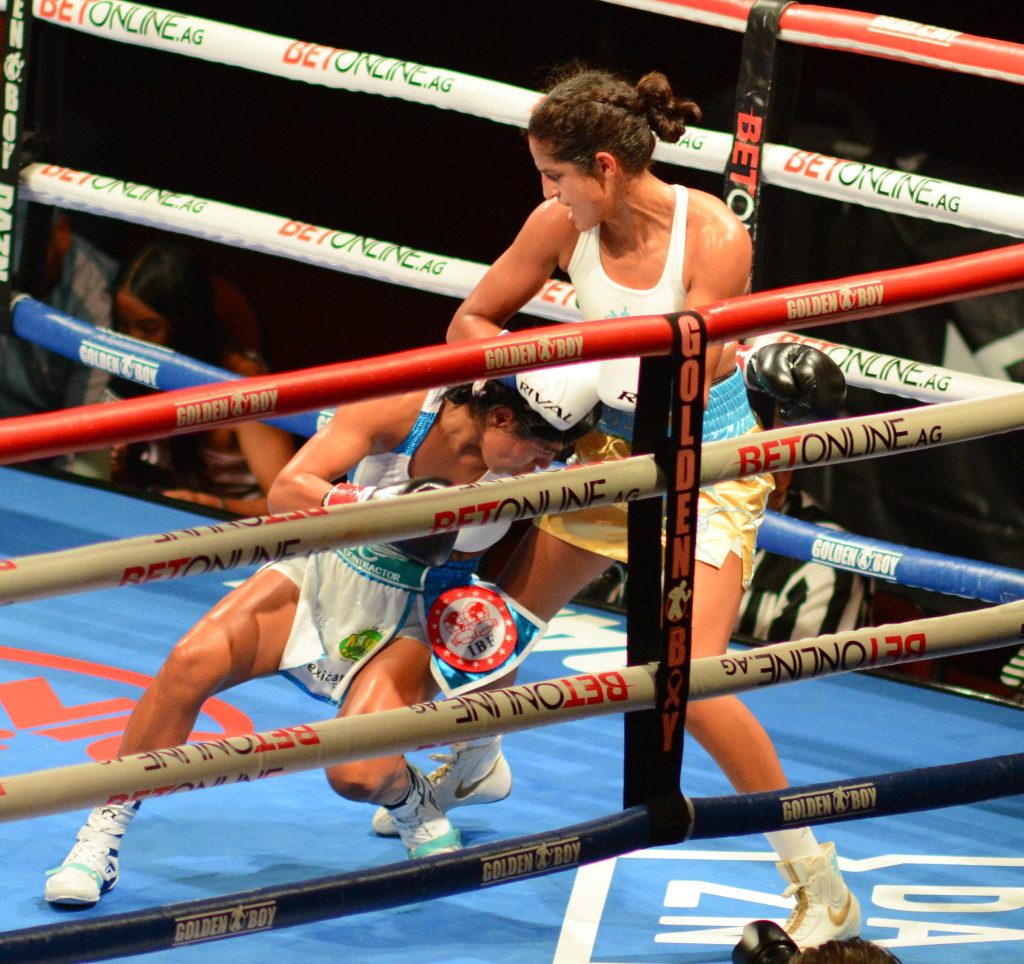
461,186
458,185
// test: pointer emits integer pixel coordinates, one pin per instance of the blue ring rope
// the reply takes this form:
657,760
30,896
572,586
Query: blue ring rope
129,358
486,865
880,795
786,536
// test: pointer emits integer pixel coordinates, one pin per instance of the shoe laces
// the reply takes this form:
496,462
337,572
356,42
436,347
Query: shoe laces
91,848
460,762
796,890
106,822
447,761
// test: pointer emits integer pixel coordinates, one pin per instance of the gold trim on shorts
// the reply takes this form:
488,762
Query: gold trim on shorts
728,514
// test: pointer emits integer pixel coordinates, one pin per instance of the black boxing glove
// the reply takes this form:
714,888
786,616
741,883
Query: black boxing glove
808,385
432,550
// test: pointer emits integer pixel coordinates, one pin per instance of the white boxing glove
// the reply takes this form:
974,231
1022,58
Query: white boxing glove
618,381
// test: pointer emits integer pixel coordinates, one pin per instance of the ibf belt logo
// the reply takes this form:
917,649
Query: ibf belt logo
807,807
471,628
223,408
243,919
836,301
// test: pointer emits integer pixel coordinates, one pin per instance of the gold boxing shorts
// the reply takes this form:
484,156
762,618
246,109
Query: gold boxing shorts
728,514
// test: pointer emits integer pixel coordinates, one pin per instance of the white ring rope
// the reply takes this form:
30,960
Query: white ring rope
874,186
245,542
325,247
290,749
275,235
893,375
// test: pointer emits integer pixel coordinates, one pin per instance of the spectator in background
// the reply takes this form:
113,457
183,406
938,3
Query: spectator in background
164,295
793,599
77,280
1012,675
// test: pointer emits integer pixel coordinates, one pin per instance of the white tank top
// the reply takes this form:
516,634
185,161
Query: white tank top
388,468
600,297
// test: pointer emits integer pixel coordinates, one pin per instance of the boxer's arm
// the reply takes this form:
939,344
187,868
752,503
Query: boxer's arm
356,430
517,275
717,265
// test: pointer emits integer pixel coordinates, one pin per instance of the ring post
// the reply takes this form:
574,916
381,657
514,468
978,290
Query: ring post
654,742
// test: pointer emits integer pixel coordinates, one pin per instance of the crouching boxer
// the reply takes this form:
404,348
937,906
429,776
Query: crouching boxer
352,626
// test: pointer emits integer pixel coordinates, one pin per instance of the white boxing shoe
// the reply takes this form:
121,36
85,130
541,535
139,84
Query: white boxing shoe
472,773
91,866
421,823
825,909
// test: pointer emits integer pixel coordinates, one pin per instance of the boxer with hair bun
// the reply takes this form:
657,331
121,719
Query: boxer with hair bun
633,244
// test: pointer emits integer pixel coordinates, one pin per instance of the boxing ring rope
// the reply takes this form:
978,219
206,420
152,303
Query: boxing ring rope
910,791
485,865
291,749
888,37
139,361
244,542
808,172
276,235
816,303
355,254
549,852
161,368
866,368
889,561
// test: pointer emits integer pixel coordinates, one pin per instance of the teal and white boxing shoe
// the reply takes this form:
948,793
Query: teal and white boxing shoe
91,866
473,773
421,823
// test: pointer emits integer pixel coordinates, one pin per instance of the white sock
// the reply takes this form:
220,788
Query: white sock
793,844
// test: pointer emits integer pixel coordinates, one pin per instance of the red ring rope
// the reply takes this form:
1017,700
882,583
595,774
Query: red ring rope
803,306
878,35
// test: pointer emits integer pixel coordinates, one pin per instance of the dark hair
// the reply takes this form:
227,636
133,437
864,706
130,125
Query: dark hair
587,110
483,397
171,280
853,950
